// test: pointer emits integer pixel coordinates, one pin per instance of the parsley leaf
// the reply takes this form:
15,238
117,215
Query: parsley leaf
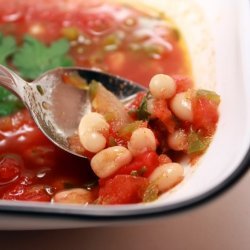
9,103
142,111
34,58
7,47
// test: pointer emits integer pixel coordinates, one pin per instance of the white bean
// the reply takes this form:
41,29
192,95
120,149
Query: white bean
93,141
182,107
91,122
74,196
162,86
141,140
178,140
93,127
109,160
167,176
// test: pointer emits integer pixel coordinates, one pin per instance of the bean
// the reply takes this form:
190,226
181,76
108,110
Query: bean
74,196
178,140
142,139
109,160
93,121
93,126
167,176
181,106
93,141
162,86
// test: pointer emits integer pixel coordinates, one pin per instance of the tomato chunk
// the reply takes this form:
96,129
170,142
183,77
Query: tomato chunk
162,112
205,114
183,83
142,165
123,189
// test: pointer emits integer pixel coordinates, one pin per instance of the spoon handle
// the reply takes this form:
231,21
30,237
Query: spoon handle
11,80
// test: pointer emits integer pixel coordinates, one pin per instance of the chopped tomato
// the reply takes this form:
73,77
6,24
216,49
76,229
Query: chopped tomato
183,83
123,189
142,165
205,114
162,112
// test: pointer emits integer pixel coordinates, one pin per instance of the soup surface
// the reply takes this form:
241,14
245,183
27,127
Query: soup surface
108,37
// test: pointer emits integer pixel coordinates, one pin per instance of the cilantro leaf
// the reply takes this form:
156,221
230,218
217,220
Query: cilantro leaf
7,47
34,58
142,111
9,103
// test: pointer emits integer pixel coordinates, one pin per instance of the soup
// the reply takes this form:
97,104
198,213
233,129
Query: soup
108,37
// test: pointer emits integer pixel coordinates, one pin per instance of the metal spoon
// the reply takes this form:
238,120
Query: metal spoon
57,107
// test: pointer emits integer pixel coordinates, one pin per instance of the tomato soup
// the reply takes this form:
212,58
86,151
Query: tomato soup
37,36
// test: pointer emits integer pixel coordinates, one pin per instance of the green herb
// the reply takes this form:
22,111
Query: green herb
127,130
151,193
142,111
9,103
197,143
33,58
7,48
139,172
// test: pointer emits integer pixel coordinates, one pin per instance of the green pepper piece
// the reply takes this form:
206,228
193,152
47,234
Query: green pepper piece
126,131
197,143
210,95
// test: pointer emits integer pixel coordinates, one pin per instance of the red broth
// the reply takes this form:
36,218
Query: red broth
112,38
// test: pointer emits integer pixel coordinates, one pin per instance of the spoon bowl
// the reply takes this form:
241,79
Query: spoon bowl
56,106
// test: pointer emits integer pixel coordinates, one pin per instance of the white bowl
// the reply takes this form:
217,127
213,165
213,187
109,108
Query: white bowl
218,37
